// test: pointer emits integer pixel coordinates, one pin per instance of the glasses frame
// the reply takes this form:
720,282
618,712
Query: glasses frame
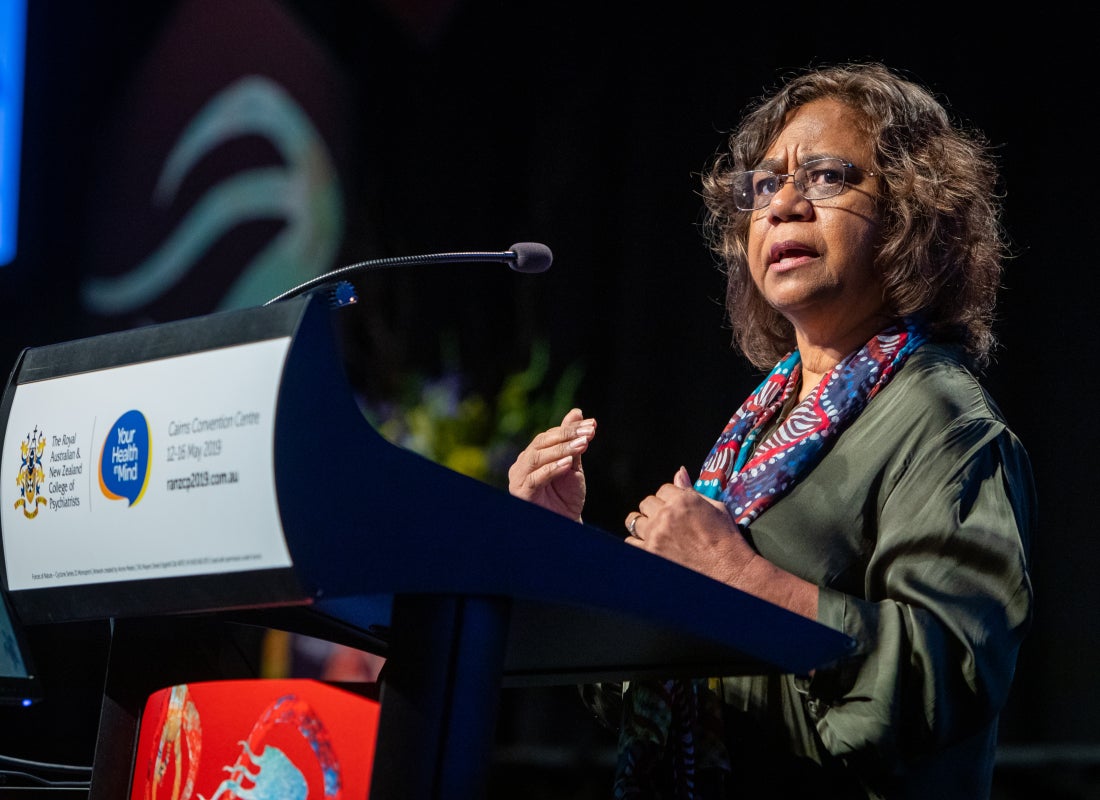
783,177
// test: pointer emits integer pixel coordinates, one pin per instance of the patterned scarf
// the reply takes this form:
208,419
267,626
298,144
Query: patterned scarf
670,739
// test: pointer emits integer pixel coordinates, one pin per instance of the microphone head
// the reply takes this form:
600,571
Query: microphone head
531,257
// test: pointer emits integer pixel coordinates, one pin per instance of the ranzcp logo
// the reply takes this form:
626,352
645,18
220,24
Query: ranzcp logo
31,475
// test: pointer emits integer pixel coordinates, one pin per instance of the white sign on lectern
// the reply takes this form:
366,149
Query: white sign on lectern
151,470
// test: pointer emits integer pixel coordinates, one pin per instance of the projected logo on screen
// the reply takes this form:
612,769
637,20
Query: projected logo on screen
124,462
31,474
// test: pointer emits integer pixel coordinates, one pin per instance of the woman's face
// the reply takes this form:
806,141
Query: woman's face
814,260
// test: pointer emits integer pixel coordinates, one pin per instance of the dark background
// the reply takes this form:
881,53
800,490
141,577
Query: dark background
472,125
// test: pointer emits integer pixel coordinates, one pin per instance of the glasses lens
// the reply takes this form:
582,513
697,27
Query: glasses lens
754,190
819,179
741,186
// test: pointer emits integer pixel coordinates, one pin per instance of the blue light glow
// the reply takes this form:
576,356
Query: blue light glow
13,26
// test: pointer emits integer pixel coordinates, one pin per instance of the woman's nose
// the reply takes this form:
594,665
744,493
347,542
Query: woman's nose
789,202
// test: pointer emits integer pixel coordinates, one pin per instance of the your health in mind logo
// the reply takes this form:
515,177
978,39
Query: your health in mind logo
31,474
124,462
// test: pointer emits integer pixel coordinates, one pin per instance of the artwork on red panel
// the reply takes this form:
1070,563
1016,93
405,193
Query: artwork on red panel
255,739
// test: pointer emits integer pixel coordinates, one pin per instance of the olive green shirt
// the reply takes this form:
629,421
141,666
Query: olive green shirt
916,524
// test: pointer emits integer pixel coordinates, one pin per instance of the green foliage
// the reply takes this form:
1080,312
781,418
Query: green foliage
469,433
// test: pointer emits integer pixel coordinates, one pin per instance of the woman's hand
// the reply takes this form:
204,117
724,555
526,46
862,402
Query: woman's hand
549,472
682,525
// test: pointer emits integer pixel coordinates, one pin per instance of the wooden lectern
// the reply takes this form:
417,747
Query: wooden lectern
184,478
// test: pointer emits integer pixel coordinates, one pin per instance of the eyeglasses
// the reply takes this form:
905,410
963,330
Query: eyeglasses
814,180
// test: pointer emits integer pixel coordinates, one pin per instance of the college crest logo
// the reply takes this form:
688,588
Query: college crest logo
31,475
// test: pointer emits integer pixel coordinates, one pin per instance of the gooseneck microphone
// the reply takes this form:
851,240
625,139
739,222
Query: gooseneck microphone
528,257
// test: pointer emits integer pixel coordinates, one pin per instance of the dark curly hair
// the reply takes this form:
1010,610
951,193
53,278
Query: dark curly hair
941,245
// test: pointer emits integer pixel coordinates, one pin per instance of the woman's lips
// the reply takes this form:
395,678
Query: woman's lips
784,255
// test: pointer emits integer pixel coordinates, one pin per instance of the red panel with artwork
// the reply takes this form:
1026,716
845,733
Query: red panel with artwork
245,739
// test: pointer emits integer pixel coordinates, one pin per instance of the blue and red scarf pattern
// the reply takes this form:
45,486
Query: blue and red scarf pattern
749,477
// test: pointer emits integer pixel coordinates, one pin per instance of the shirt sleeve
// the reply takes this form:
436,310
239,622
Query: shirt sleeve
948,602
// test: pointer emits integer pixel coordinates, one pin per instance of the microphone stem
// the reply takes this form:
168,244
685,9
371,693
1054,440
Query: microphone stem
395,261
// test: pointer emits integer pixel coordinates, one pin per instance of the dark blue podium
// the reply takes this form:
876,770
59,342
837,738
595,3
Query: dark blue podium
463,588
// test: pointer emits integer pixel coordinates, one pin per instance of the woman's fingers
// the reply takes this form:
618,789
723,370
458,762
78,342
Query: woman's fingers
553,451
558,443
